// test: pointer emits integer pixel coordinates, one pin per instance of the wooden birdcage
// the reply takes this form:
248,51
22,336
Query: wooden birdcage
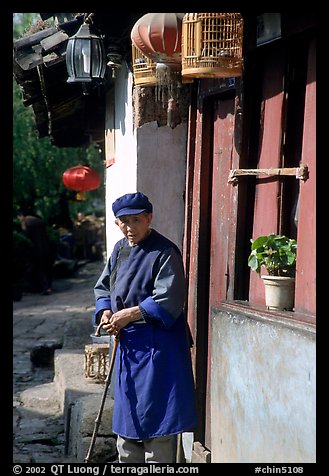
212,45
143,68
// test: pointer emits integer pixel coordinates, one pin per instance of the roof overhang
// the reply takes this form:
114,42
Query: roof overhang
61,110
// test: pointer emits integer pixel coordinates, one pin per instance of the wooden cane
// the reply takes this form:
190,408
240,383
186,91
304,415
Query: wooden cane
100,411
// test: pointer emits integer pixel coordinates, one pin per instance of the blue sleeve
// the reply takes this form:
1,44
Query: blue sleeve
152,311
101,305
168,297
102,293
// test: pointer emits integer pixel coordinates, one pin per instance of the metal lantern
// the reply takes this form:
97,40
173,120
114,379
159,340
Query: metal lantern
212,45
85,57
81,179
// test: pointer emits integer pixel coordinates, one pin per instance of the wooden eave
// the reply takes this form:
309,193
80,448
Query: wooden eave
60,109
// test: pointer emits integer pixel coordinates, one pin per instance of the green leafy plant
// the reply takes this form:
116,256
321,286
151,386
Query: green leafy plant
276,253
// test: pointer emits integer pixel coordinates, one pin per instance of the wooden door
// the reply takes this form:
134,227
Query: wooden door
222,221
209,232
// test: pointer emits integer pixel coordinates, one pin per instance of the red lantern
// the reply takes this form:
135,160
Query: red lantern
81,179
159,36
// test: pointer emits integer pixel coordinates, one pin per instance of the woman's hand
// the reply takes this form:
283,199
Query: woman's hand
105,321
113,323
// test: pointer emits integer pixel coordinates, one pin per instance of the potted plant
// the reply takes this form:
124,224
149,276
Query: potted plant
277,254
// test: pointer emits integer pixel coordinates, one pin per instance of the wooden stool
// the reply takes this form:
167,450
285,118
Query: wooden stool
96,362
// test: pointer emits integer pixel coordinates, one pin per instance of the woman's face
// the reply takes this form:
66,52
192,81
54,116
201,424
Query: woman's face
135,227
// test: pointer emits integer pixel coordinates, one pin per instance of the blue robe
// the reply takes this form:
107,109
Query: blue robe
154,388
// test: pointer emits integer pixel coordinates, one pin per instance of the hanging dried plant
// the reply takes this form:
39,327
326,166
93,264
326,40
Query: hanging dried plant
168,83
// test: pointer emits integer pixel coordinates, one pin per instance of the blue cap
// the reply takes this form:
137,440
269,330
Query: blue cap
131,204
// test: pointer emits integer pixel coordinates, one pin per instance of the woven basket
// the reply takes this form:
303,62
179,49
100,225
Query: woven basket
143,68
96,362
212,45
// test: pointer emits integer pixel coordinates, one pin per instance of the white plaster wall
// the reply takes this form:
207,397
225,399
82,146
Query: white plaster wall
263,389
161,155
150,159
121,177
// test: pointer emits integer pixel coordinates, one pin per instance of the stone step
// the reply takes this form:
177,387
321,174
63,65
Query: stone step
42,398
80,399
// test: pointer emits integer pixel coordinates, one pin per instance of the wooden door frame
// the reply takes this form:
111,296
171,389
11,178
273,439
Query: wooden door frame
197,230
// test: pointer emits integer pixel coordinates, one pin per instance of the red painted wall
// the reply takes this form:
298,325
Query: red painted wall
305,297
266,202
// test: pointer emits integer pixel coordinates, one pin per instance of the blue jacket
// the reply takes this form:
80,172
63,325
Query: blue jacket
154,388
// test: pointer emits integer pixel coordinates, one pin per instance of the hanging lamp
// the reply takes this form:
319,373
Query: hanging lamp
85,56
81,179
158,37
212,45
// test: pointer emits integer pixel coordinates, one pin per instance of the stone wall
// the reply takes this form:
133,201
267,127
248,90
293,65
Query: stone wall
149,107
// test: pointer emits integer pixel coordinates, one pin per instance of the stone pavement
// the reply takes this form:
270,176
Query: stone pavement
38,330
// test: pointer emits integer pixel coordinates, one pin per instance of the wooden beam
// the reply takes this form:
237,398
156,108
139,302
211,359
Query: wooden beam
53,41
300,173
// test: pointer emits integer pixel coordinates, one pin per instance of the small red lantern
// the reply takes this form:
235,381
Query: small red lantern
81,178
159,36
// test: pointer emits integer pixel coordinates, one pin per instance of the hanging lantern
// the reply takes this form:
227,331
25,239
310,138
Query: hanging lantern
85,56
158,36
81,179
212,45
144,68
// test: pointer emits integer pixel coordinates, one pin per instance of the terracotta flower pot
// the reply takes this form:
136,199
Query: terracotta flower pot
279,292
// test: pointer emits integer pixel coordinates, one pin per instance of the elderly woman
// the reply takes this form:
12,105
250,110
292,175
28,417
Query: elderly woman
140,296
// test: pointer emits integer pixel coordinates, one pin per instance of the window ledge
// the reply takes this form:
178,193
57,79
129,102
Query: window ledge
290,319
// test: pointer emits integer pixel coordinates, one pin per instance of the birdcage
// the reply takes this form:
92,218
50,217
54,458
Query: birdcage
212,45
96,362
143,68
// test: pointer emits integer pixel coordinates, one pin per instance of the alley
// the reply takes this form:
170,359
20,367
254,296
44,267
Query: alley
38,330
